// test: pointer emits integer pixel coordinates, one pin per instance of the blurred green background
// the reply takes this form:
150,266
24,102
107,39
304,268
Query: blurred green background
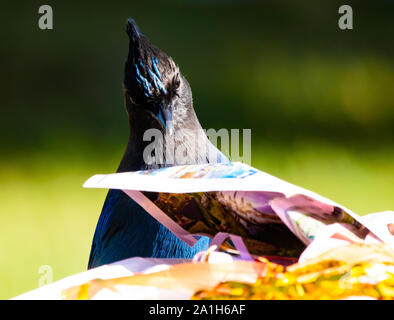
319,100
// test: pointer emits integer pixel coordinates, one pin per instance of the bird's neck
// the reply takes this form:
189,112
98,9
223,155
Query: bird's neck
187,144
133,157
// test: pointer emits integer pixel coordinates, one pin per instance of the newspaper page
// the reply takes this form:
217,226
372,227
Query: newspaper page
272,216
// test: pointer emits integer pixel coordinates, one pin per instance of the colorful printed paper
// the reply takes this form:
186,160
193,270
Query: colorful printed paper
272,216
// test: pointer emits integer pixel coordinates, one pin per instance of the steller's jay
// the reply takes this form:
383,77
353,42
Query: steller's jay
157,96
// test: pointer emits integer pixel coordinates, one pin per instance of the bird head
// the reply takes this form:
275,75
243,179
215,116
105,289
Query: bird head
154,87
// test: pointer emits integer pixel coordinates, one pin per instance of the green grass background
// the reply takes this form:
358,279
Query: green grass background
319,101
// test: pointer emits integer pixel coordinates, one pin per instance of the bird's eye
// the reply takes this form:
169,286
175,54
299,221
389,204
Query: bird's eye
177,82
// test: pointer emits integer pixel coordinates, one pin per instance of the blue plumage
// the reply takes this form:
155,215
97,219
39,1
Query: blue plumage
126,230
143,81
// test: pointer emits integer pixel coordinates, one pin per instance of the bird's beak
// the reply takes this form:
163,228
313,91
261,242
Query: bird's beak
164,117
